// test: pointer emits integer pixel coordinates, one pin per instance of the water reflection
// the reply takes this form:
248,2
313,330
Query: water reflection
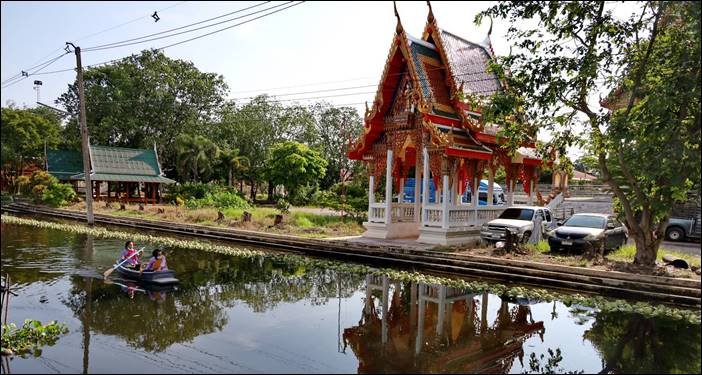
415,327
257,314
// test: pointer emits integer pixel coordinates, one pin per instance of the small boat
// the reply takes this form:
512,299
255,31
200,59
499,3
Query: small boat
151,277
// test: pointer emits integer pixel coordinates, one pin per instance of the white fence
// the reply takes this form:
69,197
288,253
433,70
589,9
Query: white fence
460,215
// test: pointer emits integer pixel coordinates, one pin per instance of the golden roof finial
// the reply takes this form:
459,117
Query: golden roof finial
430,17
398,28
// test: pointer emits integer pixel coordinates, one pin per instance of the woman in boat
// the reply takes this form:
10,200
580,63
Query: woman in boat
133,262
157,262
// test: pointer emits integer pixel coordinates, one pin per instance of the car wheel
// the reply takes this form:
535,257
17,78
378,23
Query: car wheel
675,234
526,236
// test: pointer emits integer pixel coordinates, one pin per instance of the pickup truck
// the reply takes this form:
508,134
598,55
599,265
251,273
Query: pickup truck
680,229
520,218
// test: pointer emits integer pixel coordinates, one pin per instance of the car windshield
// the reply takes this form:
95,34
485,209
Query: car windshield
586,221
517,214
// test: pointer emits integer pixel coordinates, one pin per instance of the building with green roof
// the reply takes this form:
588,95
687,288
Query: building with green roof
133,175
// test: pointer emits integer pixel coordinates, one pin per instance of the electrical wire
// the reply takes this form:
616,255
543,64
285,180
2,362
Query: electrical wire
87,37
179,28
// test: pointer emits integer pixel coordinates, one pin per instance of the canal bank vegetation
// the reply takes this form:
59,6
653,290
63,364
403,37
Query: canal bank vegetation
692,316
304,224
619,260
29,338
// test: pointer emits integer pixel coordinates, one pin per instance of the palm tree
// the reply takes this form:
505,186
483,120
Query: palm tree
233,162
195,155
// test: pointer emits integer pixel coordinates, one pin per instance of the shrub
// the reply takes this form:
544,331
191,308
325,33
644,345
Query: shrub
283,206
35,184
58,195
355,203
220,200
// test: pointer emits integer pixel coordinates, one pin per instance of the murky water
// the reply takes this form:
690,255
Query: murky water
231,314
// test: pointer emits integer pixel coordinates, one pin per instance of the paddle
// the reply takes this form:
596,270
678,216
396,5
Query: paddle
108,272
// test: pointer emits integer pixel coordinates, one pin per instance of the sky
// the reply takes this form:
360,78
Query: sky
314,46
339,44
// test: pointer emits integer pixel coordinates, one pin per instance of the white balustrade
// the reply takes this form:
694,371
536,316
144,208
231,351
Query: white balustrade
431,215
402,212
377,213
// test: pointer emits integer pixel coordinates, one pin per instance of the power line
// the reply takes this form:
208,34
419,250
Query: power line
229,27
128,41
87,37
181,42
35,72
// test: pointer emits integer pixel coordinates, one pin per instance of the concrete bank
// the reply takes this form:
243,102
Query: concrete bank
609,283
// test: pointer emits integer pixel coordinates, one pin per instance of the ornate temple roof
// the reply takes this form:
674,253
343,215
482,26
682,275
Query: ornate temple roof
469,62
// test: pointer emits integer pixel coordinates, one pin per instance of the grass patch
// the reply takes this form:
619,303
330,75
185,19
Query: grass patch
303,224
626,254
539,248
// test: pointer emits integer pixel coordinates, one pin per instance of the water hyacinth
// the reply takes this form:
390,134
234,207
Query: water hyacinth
597,302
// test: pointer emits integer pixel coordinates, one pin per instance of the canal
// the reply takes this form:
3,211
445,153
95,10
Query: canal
257,315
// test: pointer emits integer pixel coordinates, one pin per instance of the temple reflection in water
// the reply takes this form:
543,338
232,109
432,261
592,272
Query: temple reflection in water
415,327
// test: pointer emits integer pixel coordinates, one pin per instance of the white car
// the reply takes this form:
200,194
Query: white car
520,218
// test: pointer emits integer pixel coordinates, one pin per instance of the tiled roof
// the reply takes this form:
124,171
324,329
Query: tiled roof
124,164
432,77
63,164
469,62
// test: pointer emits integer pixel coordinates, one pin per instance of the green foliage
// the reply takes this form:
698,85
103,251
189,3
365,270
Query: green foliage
220,200
283,206
233,163
5,197
58,195
294,165
31,336
332,131
540,248
144,99
551,365
190,190
24,134
35,184
354,203
627,253
648,144
196,157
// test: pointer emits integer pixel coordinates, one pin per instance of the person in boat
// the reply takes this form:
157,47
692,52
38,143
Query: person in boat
133,262
157,262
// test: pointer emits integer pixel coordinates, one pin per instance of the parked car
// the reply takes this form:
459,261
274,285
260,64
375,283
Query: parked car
520,218
583,230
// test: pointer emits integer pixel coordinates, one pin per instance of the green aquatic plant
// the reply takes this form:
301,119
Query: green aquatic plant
31,336
597,302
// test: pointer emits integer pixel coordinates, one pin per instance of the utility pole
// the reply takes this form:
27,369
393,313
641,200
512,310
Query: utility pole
84,139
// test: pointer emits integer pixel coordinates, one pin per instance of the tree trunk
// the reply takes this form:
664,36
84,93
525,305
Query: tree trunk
253,190
229,181
647,246
271,189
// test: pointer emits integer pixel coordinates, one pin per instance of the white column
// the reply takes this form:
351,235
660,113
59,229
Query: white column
454,192
417,185
388,189
530,200
444,204
371,195
491,186
420,321
510,195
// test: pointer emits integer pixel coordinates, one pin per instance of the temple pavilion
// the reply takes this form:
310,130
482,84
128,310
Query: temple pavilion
418,125
117,174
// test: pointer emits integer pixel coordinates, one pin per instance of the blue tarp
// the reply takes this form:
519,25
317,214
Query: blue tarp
410,184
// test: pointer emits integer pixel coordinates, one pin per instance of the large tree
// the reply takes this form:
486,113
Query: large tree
25,133
294,165
196,157
145,99
568,53
253,128
333,129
